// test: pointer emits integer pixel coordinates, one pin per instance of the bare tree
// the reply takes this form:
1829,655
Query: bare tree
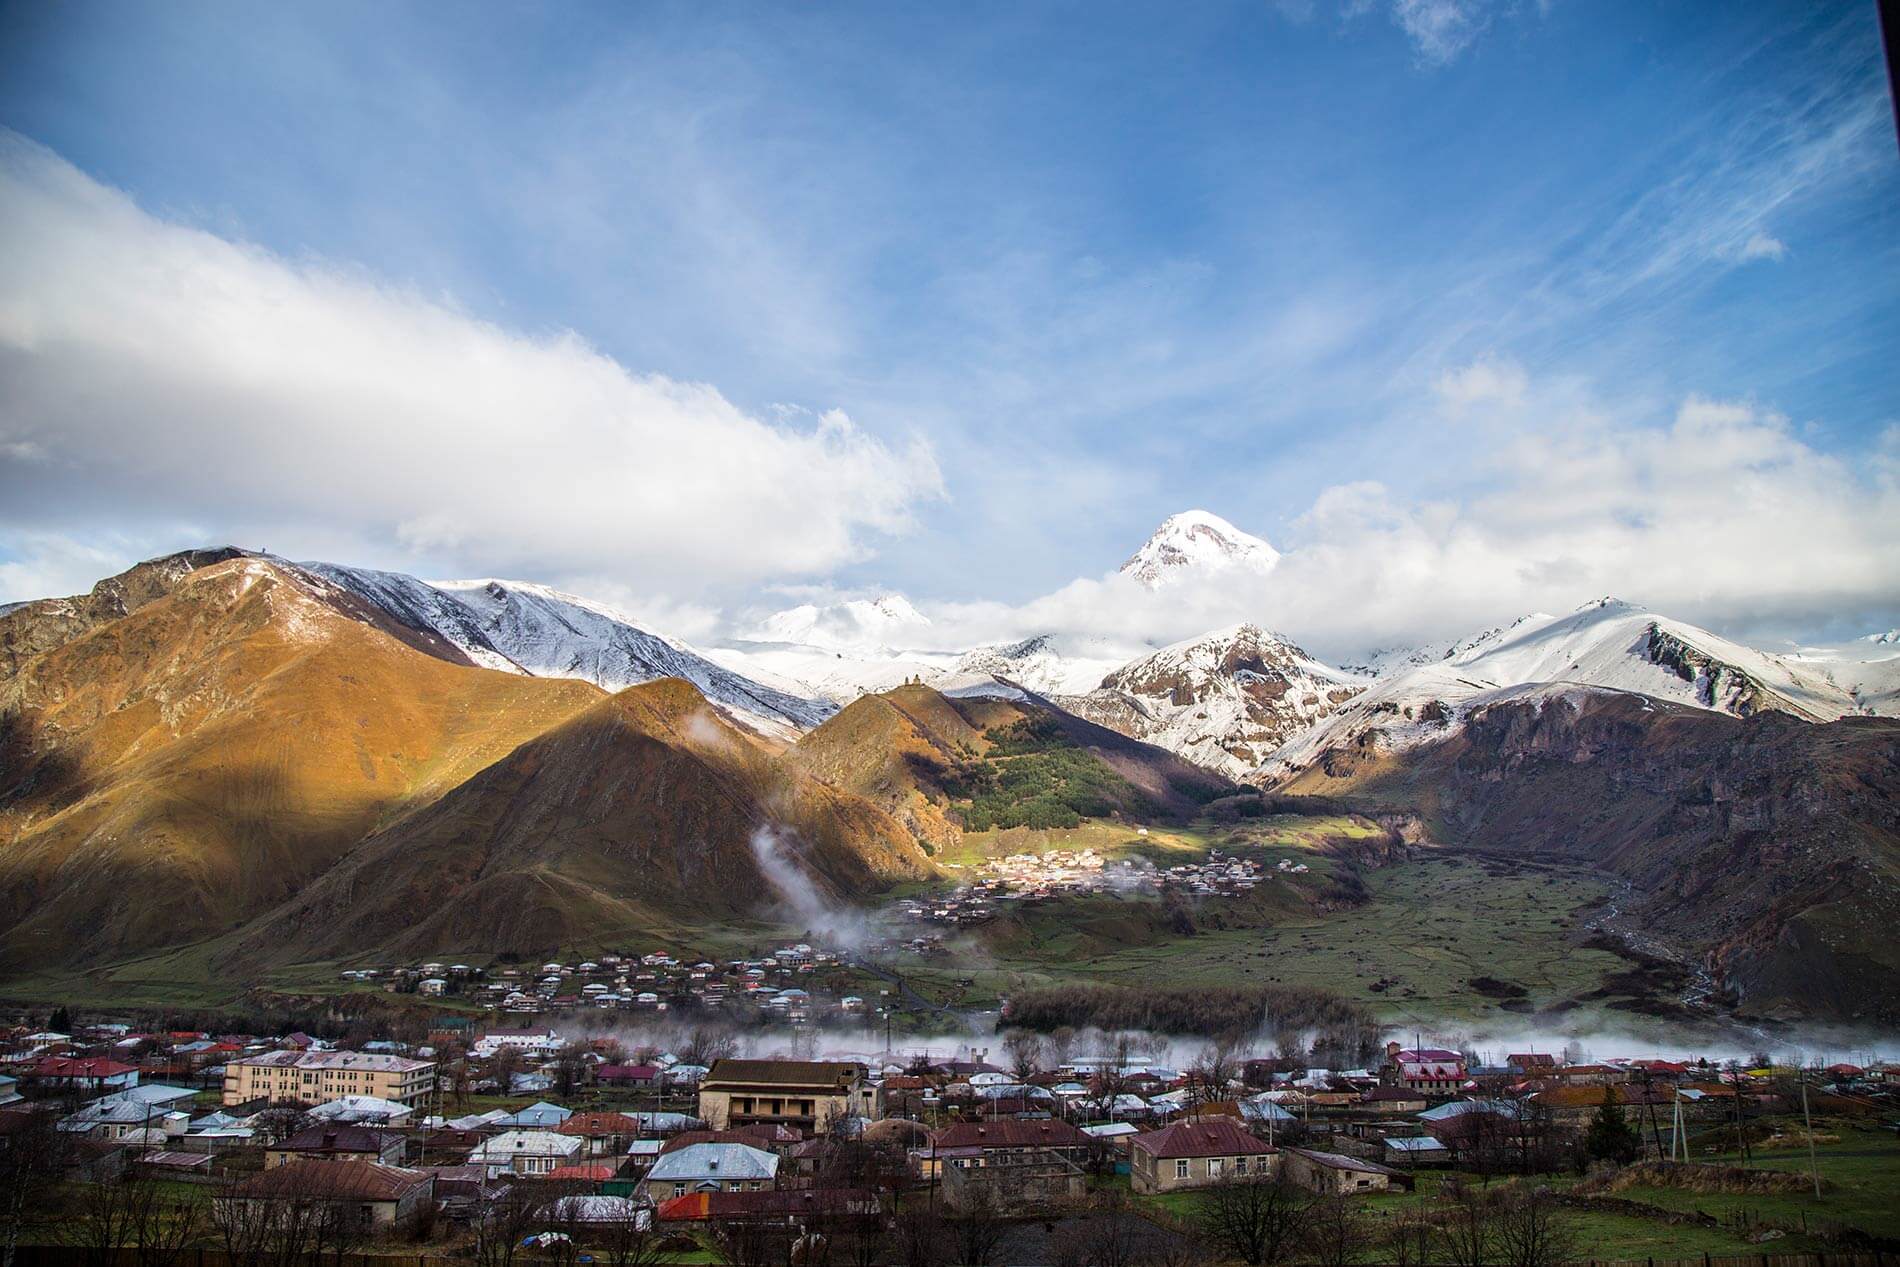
99,1220
629,1242
1059,1046
1336,1233
1408,1240
705,1044
1467,1227
1023,1050
977,1231
502,1217
1219,1063
1258,1219
917,1234
31,1150
1534,1231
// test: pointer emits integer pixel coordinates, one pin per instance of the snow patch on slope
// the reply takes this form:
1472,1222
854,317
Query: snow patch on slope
1225,700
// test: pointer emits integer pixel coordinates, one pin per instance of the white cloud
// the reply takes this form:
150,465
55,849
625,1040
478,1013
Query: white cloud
1762,246
154,371
1440,29
1719,514
1484,381
47,565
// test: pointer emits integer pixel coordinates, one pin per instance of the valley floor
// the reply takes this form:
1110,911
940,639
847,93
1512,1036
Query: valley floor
1424,937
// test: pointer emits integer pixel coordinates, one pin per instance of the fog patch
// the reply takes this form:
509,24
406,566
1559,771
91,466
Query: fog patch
777,853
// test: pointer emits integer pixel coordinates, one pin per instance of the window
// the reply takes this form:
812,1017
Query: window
1181,1169
1215,1165
1240,1165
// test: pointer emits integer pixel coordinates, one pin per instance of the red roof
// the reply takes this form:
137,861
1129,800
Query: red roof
596,1124
588,1172
700,1206
1011,1133
78,1067
1201,1137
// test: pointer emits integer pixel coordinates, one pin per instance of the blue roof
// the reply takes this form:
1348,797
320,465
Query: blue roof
540,1114
1458,1108
1417,1144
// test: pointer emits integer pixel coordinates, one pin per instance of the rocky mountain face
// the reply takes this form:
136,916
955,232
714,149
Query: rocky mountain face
1197,542
1227,700
1765,846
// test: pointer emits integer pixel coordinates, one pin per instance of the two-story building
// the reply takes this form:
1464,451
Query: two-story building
807,1094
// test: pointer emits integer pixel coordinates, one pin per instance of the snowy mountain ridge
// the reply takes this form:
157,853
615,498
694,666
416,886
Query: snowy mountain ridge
521,627
1606,644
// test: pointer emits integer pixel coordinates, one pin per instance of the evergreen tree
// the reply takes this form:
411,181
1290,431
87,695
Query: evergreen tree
62,1022
1611,1137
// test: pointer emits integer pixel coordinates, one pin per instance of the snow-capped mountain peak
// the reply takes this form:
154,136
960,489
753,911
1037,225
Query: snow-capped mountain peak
1197,541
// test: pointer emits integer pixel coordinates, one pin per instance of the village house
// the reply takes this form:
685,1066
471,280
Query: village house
1427,1069
338,1143
1333,1174
79,1074
606,1134
313,1077
536,1041
710,1168
530,1154
807,1094
1195,1154
1003,1142
367,1196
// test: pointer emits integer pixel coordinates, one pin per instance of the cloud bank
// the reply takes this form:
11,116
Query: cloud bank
1721,513
157,376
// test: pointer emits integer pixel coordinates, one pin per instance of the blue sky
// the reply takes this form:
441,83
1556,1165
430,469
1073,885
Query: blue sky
1066,269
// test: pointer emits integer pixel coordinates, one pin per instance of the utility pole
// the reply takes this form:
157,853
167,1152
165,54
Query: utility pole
1814,1166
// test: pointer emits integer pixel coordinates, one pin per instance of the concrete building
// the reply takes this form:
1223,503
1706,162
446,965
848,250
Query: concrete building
807,1094
314,1077
1197,1153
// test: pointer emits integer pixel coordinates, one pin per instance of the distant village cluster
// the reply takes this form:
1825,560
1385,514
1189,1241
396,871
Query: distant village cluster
501,1124
795,984
1030,878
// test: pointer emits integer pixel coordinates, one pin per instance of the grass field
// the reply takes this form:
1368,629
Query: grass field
1428,930
1861,1171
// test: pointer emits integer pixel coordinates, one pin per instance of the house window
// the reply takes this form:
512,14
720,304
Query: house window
1181,1169
1214,1167
1240,1165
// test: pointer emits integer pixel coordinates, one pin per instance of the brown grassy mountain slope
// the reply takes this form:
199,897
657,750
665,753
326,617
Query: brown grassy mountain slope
173,768
898,750
916,753
637,811
1769,843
